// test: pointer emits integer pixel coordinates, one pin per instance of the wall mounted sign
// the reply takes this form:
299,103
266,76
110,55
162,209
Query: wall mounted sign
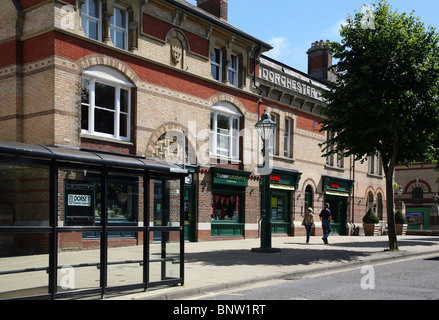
230,177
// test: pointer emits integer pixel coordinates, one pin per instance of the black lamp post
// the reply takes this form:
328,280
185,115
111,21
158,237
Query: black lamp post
265,128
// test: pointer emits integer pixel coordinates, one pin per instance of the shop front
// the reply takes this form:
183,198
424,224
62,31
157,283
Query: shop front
283,183
337,192
228,202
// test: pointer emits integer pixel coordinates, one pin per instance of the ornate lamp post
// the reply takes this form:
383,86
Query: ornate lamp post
265,128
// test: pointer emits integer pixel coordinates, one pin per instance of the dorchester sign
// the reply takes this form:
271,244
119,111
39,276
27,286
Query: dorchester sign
290,83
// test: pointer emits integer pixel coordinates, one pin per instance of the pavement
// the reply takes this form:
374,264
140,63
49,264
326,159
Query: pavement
219,265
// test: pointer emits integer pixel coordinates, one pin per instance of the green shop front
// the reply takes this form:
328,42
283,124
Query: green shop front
228,202
283,183
337,192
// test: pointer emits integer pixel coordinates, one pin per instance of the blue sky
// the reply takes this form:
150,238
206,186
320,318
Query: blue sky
292,25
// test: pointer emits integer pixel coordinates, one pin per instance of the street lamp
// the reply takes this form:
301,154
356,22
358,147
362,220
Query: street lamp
265,128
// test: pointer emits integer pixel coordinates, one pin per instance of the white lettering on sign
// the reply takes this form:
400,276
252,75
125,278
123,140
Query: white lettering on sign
290,84
79,200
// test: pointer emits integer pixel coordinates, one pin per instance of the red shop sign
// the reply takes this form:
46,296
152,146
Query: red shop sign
335,185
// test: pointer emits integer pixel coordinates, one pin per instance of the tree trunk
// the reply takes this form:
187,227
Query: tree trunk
393,241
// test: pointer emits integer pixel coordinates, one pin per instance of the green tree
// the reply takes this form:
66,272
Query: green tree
385,98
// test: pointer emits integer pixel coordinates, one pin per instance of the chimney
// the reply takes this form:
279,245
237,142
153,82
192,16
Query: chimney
218,8
319,60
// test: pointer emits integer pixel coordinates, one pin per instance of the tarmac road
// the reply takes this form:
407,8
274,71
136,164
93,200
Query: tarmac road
409,279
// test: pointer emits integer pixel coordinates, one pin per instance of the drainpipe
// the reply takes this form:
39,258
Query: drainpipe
257,53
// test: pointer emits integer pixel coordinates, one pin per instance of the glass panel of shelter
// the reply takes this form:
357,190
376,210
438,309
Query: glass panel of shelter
165,233
24,204
46,246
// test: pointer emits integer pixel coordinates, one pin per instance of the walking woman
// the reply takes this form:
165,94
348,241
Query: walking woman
308,222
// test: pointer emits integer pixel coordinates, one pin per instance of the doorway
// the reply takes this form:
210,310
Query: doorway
189,213
338,207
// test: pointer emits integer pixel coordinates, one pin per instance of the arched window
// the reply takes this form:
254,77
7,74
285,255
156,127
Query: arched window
106,103
380,206
224,130
370,202
417,195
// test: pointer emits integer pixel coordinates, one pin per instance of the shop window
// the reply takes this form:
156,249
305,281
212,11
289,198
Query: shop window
226,208
224,131
91,19
119,28
106,107
279,206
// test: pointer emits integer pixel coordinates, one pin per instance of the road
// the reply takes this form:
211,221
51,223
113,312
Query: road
411,279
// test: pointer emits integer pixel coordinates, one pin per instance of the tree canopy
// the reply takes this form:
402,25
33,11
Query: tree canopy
386,96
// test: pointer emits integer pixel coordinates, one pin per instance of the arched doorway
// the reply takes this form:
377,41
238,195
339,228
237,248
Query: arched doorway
309,198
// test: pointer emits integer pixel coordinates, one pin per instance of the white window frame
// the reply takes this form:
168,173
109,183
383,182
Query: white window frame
273,143
233,70
118,85
379,164
85,18
287,137
329,159
217,65
114,29
233,134
340,162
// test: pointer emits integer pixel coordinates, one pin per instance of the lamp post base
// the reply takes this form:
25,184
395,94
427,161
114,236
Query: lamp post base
266,250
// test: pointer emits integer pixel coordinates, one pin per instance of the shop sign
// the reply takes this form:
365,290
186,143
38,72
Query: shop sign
281,178
337,184
79,200
229,177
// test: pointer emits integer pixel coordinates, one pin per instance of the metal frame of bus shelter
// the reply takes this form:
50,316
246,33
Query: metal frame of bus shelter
55,158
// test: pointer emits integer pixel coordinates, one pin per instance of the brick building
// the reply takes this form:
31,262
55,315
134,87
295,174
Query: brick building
166,80
416,194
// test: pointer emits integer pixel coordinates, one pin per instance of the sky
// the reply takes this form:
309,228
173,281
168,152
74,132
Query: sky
291,26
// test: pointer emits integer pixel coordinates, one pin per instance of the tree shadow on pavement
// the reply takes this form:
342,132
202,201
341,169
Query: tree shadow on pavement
284,258
385,244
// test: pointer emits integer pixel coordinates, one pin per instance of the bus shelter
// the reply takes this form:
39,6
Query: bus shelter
81,222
